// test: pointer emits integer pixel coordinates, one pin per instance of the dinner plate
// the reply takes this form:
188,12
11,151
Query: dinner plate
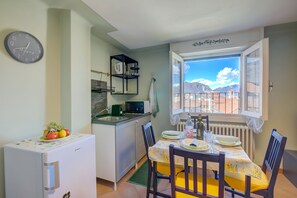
227,140
194,144
173,135
236,143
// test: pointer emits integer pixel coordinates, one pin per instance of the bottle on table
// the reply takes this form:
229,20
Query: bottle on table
200,128
189,128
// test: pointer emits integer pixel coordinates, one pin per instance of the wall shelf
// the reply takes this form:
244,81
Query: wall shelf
124,74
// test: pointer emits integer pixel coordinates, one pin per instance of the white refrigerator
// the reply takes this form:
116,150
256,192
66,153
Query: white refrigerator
55,169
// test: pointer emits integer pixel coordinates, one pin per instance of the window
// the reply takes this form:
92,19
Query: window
211,85
228,84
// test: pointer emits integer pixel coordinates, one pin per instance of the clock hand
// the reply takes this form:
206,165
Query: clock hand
19,48
22,48
28,45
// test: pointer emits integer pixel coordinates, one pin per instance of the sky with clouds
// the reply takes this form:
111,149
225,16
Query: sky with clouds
219,72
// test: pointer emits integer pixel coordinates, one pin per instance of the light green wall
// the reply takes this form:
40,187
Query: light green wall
100,61
80,74
29,92
33,94
75,72
154,61
282,99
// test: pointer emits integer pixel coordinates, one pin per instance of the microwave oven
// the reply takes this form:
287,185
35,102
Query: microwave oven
139,106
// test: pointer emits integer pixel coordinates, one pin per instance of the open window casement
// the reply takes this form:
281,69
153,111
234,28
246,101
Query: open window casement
254,80
177,78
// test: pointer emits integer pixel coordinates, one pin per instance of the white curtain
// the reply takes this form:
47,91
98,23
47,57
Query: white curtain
153,98
254,124
174,119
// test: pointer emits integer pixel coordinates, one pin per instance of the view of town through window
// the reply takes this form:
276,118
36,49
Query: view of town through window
211,85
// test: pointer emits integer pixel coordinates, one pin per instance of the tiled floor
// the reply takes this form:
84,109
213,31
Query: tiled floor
283,188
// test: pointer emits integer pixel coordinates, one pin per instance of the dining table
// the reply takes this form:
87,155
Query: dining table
236,159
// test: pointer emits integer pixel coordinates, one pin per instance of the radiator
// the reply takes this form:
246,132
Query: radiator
245,134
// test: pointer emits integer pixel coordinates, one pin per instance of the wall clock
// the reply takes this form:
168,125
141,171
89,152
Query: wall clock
23,47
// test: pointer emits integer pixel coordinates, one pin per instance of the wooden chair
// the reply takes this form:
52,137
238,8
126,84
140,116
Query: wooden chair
204,119
187,184
265,185
157,169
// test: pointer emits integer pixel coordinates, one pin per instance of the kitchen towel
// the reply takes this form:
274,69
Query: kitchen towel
153,98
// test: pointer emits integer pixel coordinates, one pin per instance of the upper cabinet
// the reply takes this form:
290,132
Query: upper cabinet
124,75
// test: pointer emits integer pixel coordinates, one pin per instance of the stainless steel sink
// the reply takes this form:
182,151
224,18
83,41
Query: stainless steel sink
112,118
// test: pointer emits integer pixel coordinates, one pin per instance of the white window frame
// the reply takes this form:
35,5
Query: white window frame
174,57
263,47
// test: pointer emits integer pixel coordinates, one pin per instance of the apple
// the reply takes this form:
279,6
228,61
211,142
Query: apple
67,131
51,135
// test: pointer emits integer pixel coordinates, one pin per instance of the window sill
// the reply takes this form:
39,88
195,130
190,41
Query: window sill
226,118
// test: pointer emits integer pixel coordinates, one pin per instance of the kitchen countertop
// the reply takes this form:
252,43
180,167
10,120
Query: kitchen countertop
130,117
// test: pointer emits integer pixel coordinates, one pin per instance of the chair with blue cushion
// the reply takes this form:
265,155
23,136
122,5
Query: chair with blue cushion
263,186
189,184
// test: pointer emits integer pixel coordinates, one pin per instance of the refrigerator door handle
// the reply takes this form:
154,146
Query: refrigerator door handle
52,176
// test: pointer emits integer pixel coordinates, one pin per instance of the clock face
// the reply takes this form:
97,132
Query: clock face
23,47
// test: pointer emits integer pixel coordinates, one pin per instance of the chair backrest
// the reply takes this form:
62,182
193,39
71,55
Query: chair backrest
148,135
204,119
273,156
195,156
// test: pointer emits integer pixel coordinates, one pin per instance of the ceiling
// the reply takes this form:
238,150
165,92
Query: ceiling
133,24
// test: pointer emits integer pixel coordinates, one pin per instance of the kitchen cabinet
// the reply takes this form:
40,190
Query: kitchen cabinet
124,73
125,148
118,147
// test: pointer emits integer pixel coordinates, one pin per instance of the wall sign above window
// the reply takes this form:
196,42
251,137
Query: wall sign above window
231,40
211,42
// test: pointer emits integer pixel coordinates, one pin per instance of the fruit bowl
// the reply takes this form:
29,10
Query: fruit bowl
52,140
54,132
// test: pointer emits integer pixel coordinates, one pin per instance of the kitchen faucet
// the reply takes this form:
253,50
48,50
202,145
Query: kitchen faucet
99,113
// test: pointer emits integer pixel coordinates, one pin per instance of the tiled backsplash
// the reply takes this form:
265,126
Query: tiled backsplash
99,99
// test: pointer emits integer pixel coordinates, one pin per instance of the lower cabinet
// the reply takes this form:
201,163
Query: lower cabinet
118,148
125,148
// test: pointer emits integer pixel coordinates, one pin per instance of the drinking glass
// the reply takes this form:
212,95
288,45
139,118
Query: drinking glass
208,136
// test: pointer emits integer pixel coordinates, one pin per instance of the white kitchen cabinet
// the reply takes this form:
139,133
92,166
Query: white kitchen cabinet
118,147
125,148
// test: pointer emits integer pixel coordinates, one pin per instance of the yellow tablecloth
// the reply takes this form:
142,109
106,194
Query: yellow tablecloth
236,160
